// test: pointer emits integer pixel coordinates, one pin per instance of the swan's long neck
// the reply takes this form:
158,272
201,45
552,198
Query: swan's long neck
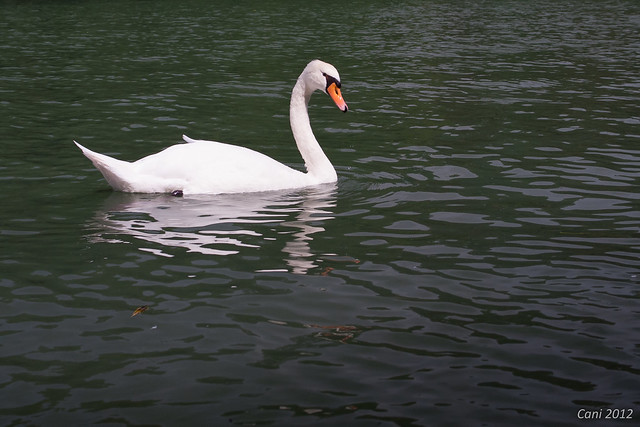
318,165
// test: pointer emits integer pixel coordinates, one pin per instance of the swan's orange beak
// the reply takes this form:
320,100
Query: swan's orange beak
334,92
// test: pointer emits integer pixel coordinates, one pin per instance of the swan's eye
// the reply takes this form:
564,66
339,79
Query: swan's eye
331,80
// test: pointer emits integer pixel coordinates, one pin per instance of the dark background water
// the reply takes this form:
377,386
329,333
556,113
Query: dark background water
476,263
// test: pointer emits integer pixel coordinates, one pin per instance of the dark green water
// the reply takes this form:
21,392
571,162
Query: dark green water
477,262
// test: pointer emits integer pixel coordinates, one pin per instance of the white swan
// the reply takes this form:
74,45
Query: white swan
208,167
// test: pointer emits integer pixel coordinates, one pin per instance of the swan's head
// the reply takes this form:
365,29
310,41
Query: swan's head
322,76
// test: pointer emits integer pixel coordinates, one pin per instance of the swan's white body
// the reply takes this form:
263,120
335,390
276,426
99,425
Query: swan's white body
208,167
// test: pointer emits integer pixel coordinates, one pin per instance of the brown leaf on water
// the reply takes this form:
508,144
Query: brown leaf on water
326,271
338,259
140,310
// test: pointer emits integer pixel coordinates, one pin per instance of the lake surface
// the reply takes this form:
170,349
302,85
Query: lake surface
477,262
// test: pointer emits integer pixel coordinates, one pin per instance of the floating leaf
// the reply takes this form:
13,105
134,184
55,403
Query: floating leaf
326,271
140,310
337,259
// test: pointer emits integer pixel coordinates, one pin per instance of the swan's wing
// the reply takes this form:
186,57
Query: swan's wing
216,167
198,167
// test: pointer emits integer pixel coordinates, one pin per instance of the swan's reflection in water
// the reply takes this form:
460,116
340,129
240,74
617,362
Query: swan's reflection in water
219,224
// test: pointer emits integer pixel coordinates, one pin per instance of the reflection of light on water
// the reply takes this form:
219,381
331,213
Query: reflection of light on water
218,224
300,257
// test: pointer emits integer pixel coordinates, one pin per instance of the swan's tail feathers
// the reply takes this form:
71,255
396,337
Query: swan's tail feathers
118,173
187,139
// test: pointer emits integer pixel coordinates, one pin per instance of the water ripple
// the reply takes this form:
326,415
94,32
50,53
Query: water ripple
477,259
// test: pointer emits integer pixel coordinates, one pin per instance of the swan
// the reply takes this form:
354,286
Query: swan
208,167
